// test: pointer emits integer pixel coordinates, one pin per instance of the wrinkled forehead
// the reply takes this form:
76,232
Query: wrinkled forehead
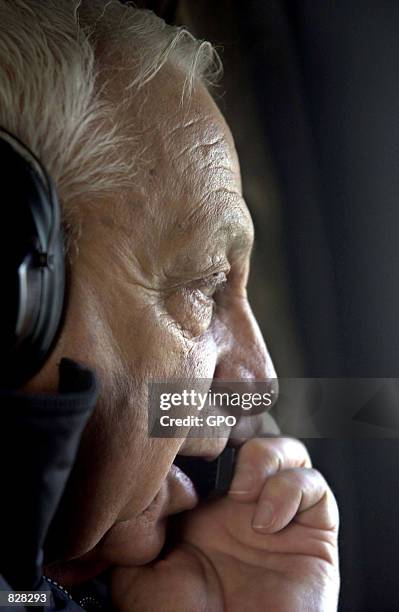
187,188
186,141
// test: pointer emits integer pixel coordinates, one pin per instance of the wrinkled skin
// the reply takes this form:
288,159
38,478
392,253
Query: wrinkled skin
146,301
269,545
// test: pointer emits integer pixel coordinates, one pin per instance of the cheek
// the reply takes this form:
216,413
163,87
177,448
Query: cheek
151,467
116,445
158,337
170,338
202,357
191,311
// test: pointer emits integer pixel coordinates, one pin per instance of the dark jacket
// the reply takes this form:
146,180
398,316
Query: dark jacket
40,435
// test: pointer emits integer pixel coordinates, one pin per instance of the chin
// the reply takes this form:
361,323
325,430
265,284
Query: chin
122,545
132,543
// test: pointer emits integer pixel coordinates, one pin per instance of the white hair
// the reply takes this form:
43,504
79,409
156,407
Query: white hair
55,71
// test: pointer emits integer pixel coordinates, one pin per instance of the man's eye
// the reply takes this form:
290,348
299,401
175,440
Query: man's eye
213,284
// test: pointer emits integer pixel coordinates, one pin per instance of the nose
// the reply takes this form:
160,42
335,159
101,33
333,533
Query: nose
242,352
242,355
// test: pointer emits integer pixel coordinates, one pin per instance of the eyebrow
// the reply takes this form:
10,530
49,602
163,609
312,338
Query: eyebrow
234,229
239,233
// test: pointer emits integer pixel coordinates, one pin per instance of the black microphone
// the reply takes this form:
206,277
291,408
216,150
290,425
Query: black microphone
211,479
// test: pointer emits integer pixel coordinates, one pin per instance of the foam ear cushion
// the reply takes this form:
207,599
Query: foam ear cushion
32,254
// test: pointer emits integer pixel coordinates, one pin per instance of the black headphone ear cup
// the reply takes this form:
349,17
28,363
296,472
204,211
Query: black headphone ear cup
52,293
29,292
34,290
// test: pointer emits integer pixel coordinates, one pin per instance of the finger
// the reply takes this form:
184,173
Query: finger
259,459
296,493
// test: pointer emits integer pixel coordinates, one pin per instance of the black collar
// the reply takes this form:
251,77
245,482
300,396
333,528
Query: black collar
40,435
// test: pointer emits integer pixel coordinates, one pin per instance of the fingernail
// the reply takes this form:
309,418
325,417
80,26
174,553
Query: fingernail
243,480
263,515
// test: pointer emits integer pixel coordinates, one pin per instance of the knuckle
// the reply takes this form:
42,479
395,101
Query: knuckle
295,478
317,474
282,483
263,455
270,456
300,450
255,449
319,478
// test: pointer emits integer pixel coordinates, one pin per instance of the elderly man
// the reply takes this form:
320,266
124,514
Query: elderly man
115,104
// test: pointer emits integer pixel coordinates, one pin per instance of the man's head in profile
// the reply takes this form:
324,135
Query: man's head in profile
115,104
